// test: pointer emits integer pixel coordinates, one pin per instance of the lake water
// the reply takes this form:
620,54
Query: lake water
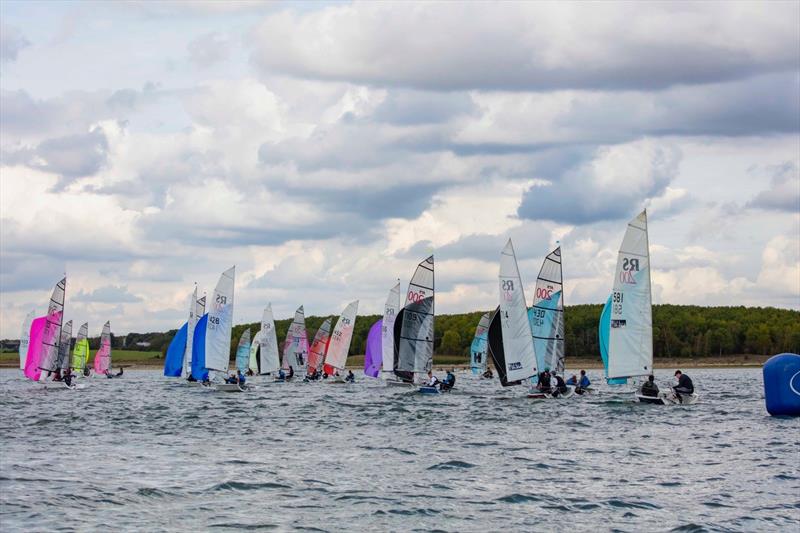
144,453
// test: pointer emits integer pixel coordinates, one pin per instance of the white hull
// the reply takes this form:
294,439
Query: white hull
537,395
668,398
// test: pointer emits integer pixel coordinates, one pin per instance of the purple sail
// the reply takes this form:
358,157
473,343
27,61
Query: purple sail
373,358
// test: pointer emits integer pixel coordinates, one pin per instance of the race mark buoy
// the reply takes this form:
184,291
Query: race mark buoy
782,384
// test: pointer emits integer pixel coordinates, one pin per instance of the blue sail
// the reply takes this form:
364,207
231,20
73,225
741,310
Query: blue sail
604,331
544,318
173,363
199,370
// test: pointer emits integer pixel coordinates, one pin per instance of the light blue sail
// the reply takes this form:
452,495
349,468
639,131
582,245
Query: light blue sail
479,345
544,318
603,331
243,353
173,362
199,370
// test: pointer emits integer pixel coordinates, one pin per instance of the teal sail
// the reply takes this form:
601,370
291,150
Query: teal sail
243,352
547,315
479,345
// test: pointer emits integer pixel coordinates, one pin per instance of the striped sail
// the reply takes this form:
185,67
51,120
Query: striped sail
51,336
102,359
64,346
295,348
243,352
269,356
630,341
340,338
80,354
520,358
390,310
547,315
319,346
478,348
415,346
25,339
220,323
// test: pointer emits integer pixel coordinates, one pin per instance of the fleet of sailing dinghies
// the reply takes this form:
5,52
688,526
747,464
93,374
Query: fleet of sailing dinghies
295,347
414,325
478,355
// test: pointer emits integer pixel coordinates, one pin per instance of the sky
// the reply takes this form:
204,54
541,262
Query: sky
325,148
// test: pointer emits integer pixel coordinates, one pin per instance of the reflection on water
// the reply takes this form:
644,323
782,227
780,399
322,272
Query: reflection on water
147,453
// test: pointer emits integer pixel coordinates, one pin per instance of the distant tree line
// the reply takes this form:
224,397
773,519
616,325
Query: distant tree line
678,331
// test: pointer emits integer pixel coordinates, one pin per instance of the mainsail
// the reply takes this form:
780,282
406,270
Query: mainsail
478,348
630,341
64,346
252,362
176,353
390,312
295,348
520,358
372,356
340,338
319,346
243,352
80,355
102,359
220,323
199,370
547,315
196,310
36,348
415,346
52,331
24,339
269,358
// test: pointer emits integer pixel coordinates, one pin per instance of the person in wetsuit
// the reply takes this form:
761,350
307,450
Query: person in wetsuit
685,385
291,373
68,377
573,380
488,374
560,387
433,381
351,378
119,374
649,387
281,374
448,382
544,381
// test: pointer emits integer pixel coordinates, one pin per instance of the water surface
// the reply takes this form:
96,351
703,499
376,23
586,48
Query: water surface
148,453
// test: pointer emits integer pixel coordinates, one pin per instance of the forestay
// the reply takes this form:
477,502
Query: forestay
80,355
52,331
630,347
341,337
268,343
478,348
390,311
547,315
415,346
24,339
319,347
243,352
520,358
220,323
102,359
295,348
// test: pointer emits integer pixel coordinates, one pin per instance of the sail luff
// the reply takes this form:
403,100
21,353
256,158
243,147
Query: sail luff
220,323
191,322
520,357
630,349
102,359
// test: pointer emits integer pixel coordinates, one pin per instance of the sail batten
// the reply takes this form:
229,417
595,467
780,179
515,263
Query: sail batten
517,337
630,331
547,314
415,343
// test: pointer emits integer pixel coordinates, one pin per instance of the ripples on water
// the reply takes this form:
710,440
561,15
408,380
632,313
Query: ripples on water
147,453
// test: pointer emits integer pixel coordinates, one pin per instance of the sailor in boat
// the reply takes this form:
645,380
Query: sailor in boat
433,381
351,378
544,381
241,377
119,374
232,379
649,387
560,386
191,379
448,382
68,377
86,371
291,373
685,385
108,373
324,375
488,374
584,383
250,372
573,380
57,376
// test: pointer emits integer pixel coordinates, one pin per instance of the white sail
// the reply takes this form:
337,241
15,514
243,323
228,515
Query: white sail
25,339
520,357
268,343
547,315
630,344
341,337
390,310
190,324
295,348
52,329
220,323
64,346
252,363
415,347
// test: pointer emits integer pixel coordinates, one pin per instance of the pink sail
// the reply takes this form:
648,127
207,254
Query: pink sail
35,348
102,359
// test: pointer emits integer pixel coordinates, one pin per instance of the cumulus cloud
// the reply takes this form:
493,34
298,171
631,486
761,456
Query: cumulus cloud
208,49
784,190
612,185
113,294
11,43
530,46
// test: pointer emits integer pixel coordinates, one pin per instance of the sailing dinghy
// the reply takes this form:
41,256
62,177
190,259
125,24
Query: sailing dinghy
242,362
318,350
44,340
80,354
268,360
295,347
630,328
373,358
339,347
478,355
102,359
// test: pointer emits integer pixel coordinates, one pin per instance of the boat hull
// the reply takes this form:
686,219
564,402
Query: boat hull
550,396
231,387
669,398
428,390
398,383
